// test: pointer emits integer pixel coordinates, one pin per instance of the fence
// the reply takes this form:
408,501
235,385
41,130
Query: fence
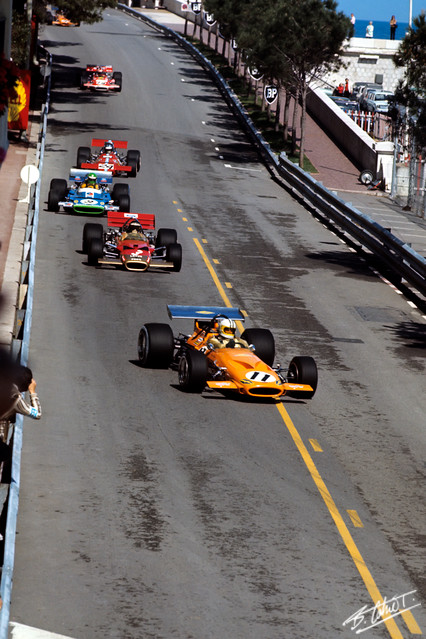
20,348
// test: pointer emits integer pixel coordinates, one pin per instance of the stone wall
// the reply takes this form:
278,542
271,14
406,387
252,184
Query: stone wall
368,59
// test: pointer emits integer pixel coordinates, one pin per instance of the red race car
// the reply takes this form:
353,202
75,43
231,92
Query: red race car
108,158
130,242
101,78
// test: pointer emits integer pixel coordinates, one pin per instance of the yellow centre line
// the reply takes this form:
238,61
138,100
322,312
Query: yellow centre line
343,530
338,520
216,280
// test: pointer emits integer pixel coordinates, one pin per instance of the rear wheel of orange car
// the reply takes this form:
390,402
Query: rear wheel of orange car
303,370
263,342
155,345
193,372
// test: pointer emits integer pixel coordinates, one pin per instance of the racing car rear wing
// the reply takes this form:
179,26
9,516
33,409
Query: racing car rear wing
96,165
104,177
119,144
204,313
91,68
118,218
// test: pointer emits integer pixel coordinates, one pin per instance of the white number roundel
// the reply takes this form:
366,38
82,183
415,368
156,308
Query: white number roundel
261,376
87,201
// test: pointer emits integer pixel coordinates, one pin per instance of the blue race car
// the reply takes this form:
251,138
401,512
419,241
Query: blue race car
89,193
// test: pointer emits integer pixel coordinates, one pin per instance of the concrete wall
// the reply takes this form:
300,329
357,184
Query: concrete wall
348,136
365,59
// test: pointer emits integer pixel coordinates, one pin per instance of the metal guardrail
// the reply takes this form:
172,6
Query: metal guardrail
404,262
21,347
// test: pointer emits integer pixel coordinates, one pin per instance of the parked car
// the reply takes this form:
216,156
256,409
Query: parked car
346,104
378,101
362,94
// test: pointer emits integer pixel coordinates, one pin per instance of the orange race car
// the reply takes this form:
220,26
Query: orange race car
215,357
62,21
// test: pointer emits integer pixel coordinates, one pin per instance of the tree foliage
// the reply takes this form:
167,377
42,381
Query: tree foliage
412,90
290,42
89,11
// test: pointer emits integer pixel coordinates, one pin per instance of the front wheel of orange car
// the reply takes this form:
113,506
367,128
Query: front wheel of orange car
303,370
192,372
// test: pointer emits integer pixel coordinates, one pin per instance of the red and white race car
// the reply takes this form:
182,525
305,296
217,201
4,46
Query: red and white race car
101,78
108,158
130,242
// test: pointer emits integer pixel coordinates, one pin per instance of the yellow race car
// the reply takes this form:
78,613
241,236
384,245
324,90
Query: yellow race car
214,356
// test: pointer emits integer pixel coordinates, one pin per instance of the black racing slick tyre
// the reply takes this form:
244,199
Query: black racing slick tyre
95,251
57,192
165,237
120,189
118,79
303,370
123,202
83,155
155,345
174,255
133,160
91,232
263,342
193,371
83,79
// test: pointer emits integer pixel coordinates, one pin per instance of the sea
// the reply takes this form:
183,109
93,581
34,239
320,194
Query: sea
381,29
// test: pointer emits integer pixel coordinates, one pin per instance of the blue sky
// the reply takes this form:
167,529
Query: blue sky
381,9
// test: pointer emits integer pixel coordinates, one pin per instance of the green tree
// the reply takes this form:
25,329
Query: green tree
291,42
89,11
412,90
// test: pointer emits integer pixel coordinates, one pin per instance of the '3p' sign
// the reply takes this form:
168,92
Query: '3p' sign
271,93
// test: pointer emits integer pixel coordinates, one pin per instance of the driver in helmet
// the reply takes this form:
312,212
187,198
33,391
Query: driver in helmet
132,230
108,147
90,182
224,335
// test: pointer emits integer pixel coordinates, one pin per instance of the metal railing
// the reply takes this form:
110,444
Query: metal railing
404,262
20,347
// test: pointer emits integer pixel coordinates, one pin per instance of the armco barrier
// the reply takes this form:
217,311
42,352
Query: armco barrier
404,262
21,348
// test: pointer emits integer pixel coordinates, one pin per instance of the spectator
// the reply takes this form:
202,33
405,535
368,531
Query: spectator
393,25
347,93
369,32
14,380
353,19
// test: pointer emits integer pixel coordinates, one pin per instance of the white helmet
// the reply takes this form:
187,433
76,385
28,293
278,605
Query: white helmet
226,327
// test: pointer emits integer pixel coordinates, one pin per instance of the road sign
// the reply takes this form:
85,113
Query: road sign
196,7
271,93
255,73
209,18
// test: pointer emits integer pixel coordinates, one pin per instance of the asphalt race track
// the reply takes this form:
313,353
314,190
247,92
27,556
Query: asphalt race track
147,512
